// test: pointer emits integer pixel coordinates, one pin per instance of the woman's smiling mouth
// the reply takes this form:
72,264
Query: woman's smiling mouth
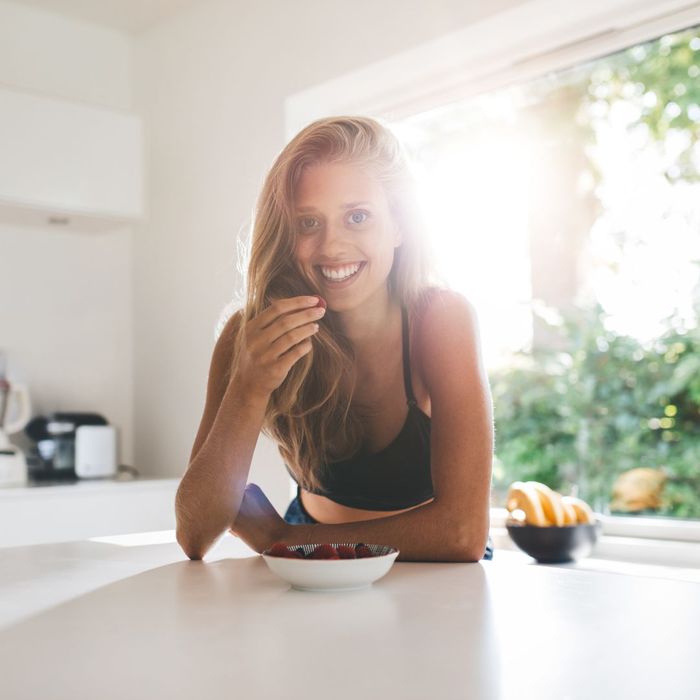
340,276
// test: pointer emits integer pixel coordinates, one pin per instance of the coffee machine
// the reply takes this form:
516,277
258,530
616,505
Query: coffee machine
52,455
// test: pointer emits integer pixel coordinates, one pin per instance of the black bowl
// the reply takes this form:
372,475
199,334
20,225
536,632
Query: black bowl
555,545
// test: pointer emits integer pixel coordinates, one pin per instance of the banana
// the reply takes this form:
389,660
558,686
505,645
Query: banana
522,495
551,504
538,504
517,517
569,512
584,513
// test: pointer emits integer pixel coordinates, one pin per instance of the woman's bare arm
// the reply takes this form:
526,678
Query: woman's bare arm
239,388
218,380
426,533
211,491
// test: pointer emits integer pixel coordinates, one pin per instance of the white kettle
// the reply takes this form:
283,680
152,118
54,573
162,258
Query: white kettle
15,412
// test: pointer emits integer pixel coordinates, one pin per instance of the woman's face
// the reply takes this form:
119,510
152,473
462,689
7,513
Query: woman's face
345,233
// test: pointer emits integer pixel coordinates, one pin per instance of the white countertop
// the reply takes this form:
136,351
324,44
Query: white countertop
94,619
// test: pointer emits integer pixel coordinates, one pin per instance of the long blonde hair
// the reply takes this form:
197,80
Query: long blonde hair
309,415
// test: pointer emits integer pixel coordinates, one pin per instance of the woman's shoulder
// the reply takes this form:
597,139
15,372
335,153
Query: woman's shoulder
228,322
434,304
432,314
225,340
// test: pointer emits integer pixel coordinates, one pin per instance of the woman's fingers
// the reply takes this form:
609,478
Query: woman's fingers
292,339
283,306
296,353
274,340
287,328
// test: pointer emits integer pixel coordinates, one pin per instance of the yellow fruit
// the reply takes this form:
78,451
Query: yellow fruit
551,504
517,517
584,513
511,499
569,512
523,496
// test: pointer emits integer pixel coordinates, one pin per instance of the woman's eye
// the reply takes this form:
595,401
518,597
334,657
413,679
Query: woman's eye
359,217
306,223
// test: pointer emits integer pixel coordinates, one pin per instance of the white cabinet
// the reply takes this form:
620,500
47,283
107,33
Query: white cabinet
69,160
42,514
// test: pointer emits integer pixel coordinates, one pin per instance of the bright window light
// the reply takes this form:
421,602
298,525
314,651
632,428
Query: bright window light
138,539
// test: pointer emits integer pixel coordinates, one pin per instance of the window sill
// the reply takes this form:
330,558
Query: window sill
658,542
507,556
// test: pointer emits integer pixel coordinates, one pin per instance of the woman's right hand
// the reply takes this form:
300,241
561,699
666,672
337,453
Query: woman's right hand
272,342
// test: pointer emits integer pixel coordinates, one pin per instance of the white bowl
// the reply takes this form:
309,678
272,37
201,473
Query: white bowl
332,574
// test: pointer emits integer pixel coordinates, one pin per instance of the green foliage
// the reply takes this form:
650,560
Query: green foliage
576,418
661,78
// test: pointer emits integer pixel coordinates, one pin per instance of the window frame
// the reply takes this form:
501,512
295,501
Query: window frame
464,63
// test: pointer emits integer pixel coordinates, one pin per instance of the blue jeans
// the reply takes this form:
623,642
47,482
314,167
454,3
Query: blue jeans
297,515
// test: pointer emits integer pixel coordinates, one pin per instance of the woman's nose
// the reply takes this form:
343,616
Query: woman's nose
332,236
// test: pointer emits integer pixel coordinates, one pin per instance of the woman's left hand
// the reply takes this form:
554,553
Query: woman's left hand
258,524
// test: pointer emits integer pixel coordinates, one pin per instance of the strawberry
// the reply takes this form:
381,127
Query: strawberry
321,302
345,552
279,549
324,551
363,551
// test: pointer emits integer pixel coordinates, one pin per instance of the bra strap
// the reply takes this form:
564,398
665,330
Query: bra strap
406,358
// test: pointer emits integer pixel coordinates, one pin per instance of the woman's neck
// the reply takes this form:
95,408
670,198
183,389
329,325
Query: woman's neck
368,326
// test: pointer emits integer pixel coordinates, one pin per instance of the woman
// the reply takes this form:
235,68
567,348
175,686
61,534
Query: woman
336,224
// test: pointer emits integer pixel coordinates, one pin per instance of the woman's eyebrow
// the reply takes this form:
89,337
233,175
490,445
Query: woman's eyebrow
349,205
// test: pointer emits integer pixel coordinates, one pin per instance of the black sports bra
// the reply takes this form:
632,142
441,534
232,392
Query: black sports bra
397,476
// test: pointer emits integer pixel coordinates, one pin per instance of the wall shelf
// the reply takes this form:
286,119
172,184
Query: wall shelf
76,164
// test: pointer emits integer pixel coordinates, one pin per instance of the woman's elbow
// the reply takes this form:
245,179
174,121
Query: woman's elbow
474,541
471,556
193,550
184,531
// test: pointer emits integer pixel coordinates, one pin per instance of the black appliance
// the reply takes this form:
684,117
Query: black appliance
52,453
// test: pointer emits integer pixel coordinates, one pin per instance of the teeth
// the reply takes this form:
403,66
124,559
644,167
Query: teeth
340,273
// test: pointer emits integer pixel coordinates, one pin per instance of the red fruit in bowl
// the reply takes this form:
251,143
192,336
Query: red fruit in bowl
345,552
362,551
324,551
279,549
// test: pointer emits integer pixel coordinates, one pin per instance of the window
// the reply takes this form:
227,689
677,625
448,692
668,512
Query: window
567,208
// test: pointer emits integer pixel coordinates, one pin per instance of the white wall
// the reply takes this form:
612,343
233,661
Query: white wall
211,84
66,299
52,55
